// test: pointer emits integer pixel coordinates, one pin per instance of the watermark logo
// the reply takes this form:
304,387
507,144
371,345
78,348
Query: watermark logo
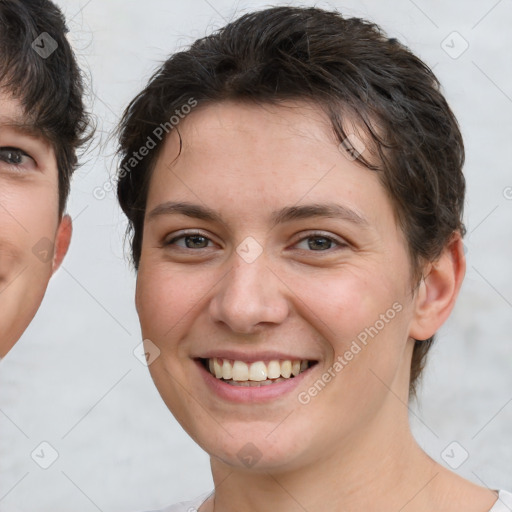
146,352
352,147
455,455
44,45
454,45
43,250
44,455
249,249
249,455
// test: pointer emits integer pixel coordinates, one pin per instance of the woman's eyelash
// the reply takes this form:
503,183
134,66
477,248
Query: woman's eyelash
185,235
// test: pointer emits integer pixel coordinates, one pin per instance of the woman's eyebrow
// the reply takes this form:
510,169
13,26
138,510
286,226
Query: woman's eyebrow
286,214
332,210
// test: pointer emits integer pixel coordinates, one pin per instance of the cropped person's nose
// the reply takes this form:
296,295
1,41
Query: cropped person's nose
249,296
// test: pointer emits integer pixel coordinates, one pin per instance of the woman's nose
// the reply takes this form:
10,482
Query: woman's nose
250,294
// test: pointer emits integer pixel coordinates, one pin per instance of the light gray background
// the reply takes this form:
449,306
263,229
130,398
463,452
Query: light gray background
73,380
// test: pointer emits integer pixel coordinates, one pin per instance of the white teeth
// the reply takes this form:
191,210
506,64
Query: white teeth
241,373
274,370
227,370
286,369
258,371
217,369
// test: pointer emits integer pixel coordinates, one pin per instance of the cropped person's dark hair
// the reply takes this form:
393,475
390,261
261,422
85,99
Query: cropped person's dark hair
358,76
49,89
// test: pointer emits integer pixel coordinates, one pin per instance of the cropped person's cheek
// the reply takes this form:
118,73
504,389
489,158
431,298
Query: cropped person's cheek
28,226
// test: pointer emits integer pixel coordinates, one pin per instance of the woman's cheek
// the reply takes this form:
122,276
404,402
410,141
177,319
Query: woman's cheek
162,299
343,303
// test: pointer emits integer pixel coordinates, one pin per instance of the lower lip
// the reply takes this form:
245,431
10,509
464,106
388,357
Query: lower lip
251,394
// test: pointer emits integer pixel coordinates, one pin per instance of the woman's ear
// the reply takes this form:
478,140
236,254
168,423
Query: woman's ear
62,241
438,290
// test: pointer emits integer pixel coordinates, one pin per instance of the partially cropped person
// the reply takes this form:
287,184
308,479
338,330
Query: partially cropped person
42,123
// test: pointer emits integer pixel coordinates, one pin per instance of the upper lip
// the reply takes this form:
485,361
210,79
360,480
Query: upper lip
252,357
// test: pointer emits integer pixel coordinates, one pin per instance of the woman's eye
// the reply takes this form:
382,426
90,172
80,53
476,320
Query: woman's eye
191,241
315,242
15,157
319,243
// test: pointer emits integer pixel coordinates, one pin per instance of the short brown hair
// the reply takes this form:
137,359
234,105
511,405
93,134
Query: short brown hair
50,87
352,70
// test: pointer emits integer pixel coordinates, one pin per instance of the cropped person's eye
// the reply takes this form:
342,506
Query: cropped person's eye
16,158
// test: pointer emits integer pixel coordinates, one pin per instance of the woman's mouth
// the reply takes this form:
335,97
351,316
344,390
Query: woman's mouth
255,374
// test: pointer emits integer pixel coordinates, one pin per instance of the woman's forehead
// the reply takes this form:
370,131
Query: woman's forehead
231,134
299,119
250,159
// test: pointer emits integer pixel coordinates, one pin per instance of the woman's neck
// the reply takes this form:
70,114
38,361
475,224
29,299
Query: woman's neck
377,470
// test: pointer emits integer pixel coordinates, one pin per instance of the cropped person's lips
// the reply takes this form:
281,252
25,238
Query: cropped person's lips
254,369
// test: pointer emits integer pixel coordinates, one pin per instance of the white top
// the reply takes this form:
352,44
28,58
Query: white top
503,504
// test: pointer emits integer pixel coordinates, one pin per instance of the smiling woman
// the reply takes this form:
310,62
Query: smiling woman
299,234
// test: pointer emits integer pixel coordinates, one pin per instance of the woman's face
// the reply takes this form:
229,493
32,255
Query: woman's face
265,245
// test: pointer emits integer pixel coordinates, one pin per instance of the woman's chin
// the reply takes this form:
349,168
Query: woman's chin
258,456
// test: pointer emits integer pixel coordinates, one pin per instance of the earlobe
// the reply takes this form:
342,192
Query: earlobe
438,290
62,241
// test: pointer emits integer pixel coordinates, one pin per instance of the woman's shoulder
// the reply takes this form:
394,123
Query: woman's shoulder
188,506
504,502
